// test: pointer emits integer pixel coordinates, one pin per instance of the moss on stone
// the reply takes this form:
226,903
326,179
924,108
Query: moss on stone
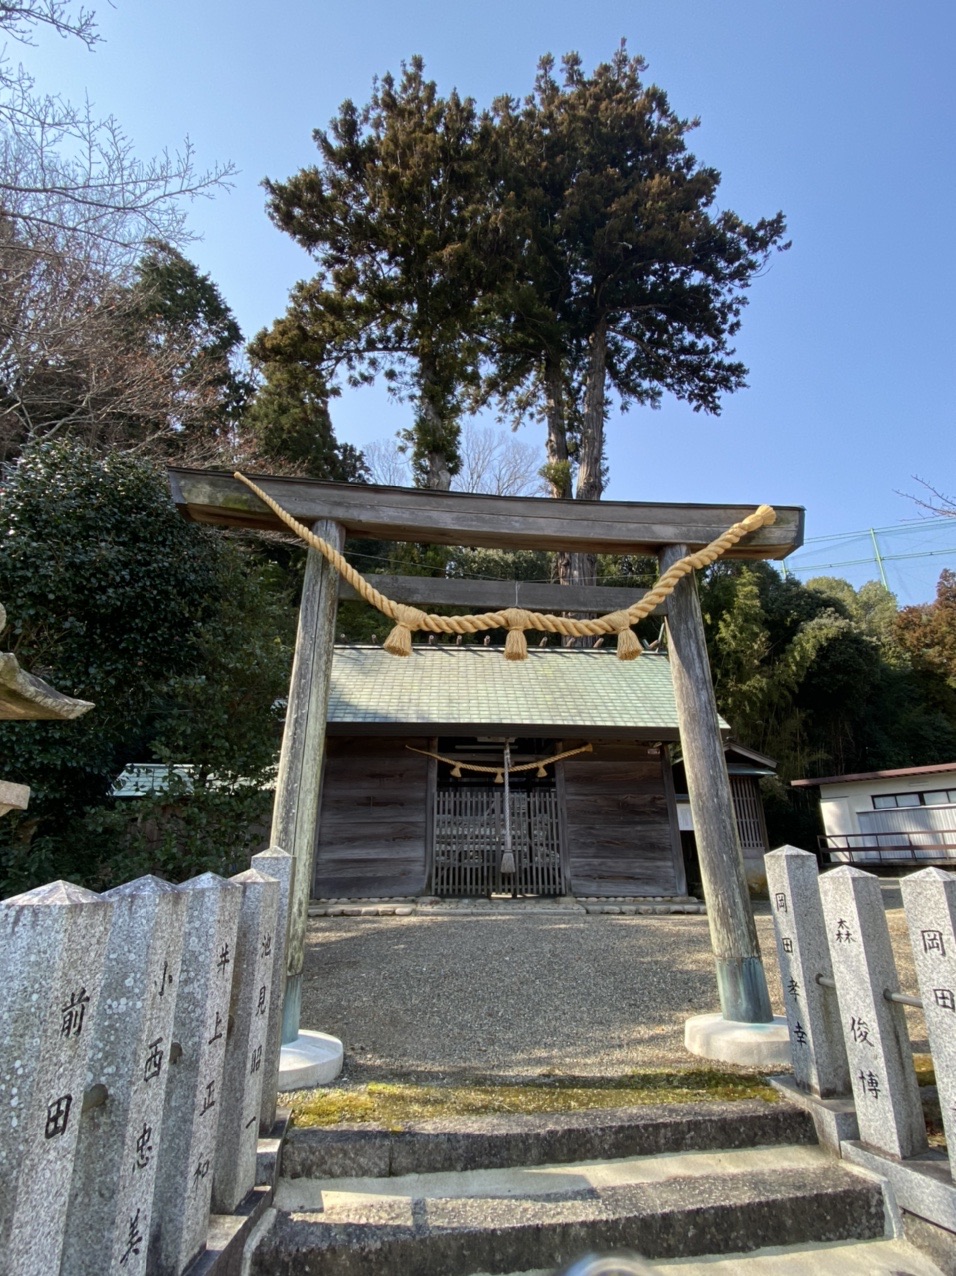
394,1104
925,1073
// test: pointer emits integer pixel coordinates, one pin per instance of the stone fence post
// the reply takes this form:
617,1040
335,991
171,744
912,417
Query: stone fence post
279,864
108,1220
52,948
193,1090
136,1027
878,1048
813,1014
234,1171
929,898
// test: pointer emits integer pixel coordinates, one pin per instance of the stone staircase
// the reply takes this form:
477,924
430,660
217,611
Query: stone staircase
527,1194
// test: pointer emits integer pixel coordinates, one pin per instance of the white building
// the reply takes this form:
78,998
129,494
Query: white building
889,817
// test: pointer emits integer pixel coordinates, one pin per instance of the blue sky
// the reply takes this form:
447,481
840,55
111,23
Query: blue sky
840,113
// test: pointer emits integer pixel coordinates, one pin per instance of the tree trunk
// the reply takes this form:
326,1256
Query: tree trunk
438,475
591,453
557,471
432,431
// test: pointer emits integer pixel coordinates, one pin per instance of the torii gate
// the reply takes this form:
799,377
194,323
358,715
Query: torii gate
335,510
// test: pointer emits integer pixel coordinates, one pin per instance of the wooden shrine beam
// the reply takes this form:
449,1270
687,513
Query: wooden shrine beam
494,522
489,595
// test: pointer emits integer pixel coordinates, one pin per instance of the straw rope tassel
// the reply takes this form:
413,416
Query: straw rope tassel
516,645
628,646
399,641
515,619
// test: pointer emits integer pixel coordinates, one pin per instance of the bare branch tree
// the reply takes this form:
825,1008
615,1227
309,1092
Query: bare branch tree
386,464
74,360
67,170
492,461
19,20
934,502
77,209
496,462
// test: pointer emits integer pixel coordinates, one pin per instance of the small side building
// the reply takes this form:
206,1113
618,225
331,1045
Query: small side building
397,820
903,816
745,769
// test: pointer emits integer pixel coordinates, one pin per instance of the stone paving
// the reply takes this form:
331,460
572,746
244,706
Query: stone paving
456,991
444,991
433,905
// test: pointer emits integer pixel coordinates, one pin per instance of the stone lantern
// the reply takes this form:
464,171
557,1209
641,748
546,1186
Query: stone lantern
26,698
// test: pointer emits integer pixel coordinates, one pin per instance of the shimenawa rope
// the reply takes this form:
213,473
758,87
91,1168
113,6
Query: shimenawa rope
516,619
497,771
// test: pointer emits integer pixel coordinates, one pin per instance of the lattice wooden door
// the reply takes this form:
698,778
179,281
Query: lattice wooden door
469,841
751,829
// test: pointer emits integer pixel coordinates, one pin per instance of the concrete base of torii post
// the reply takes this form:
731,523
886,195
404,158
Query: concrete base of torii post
755,1045
313,1058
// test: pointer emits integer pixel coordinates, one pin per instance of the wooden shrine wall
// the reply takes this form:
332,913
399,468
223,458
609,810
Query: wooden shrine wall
373,819
620,820
622,823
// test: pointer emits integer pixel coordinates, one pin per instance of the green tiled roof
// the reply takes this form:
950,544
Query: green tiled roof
475,685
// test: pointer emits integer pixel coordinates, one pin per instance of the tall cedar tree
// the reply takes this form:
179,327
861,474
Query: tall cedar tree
623,276
288,421
566,245
173,306
393,215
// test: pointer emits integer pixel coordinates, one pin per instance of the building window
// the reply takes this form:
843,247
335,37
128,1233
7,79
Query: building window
889,801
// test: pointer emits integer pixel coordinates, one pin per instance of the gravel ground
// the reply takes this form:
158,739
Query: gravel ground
525,993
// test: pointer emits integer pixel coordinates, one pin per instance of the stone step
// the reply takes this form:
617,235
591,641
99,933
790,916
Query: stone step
344,1198
435,1146
519,1219
848,1258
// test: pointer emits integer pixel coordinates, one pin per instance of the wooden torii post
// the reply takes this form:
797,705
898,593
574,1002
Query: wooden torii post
336,510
